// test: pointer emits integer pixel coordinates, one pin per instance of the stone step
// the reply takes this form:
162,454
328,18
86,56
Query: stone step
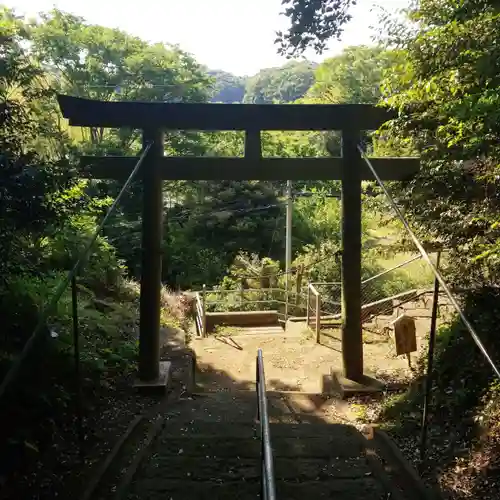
318,430
338,444
239,332
206,468
241,407
261,330
419,312
238,414
340,489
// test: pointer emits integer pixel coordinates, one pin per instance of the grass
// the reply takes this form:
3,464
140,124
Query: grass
382,236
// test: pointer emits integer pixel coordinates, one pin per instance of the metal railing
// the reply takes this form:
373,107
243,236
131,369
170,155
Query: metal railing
40,331
372,297
247,299
268,490
200,312
438,282
313,292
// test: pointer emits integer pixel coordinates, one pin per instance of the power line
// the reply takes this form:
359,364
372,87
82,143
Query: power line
187,214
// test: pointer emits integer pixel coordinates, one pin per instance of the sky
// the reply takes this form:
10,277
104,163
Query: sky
232,35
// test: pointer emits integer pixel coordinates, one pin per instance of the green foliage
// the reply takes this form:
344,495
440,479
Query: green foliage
312,23
319,217
272,85
278,85
205,233
445,89
352,77
102,271
108,64
227,88
36,187
129,68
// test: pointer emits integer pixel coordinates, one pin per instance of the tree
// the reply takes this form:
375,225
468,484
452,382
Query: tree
108,64
447,92
312,23
36,181
355,76
227,88
285,84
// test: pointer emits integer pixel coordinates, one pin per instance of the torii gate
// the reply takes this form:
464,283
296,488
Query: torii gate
154,118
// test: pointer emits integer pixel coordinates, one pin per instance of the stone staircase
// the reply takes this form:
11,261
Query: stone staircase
209,448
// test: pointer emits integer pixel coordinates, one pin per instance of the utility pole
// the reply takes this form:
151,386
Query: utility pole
289,219
288,251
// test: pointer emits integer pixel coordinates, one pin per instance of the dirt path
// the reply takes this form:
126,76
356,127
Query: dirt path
293,360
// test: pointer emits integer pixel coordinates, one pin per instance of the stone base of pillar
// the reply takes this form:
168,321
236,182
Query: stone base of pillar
346,388
158,386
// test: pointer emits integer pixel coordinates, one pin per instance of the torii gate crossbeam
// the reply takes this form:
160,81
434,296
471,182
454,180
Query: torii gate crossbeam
154,118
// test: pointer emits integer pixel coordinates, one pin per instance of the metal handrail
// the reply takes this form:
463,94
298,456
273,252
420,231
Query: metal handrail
371,278
387,271
437,274
438,281
39,330
268,489
263,301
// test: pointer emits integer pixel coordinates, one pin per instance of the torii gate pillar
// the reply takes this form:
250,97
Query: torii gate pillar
152,229
352,337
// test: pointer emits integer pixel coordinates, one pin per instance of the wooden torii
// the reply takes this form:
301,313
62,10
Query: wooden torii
154,118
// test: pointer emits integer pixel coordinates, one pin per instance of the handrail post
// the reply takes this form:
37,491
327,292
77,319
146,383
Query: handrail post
204,312
318,318
308,302
76,354
430,366
298,283
257,382
286,303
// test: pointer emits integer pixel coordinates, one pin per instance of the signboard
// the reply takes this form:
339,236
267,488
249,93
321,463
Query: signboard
405,336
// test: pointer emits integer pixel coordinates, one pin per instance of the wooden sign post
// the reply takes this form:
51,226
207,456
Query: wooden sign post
405,337
155,117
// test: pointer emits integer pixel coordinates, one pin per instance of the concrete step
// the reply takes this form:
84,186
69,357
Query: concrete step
340,489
